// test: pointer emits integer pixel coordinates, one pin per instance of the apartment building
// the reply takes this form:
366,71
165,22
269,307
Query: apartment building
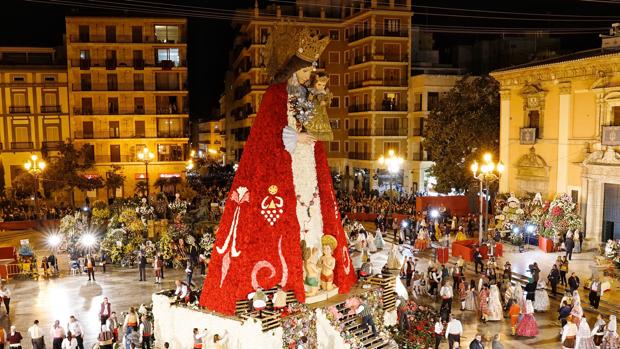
368,64
34,106
209,138
128,91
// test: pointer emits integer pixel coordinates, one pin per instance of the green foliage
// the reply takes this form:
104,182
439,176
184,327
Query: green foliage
65,171
114,179
141,188
23,185
464,125
130,220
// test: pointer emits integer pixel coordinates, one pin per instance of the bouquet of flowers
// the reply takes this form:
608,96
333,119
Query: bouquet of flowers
559,216
510,213
178,206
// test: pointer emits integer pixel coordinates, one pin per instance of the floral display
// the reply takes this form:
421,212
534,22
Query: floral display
612,251
510,213
416,327
178,206
300,324
559,217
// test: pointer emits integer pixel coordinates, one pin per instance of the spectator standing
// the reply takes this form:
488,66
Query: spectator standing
573,282
90,267
142,266
57,334
478,261
75,327
146,331
595,292
105,311
3,337
446,295
36,336
438,331
476,343
563,270
189,271
158,268
570,245
15,339
5,293
554,278
454,331
409,267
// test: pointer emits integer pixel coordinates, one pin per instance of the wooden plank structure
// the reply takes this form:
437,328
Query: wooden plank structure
387,282
269,318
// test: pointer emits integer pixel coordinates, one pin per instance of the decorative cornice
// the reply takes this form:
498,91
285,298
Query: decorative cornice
504,95
565,87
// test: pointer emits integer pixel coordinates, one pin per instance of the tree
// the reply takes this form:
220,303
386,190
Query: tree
89,183
114,180
65,171
464,125
23,185
141,188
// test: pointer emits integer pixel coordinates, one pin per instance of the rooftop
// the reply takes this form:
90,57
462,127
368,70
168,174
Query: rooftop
575,56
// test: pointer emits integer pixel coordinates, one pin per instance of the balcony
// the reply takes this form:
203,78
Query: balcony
124,39
359,132
113,134
171,134
355,84
417,132
528,135
127,87
359,35
138,64
114,158
23,109
610,136
391,132
395,82
52,145
22,145
50,109
359,156
387,105
110,63
170,109
359,108
379,57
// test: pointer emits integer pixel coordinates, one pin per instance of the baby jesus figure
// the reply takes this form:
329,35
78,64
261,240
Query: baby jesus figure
318,126
327,262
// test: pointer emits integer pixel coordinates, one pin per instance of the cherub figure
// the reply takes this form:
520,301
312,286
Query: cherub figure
311,269
327,262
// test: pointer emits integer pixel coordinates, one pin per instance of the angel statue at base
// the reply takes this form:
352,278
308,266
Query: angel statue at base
327,262
282,193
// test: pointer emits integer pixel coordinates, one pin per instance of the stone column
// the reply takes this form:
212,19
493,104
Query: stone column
563,127
504,139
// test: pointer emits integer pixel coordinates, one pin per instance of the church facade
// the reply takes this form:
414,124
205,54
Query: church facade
560,133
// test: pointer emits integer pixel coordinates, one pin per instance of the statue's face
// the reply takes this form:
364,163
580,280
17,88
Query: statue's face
303,74
320,85
327,250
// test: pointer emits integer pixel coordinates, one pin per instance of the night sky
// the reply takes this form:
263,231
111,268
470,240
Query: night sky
41,23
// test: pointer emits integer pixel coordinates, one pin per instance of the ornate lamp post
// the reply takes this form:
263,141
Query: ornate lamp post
393,164
35,166
146,156
486,173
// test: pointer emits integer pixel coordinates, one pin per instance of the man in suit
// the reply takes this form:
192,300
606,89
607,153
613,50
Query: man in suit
573,282
570,245
142,266
595,293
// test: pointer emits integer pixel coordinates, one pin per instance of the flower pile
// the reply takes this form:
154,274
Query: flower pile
559,217
510,213
417,325
300,325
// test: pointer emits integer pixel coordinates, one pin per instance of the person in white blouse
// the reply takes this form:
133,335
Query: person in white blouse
438,332
569,335
454,331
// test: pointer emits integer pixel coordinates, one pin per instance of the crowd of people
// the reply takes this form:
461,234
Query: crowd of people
358,202
20,211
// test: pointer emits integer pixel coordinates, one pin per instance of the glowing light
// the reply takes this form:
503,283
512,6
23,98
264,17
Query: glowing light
487,157
88,240
500,167
434,214
515,230
54,240
212,151
405,224
530,228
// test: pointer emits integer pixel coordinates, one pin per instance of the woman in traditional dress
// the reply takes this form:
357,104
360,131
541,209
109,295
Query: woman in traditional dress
577,311
462,288
519,296
541,301
528,327
372,248
484,303
471,299
421,243
495,305
584,336
514,311
598,330
611,339
460,235
379,243
569,335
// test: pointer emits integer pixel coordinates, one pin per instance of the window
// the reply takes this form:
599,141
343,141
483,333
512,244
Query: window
574,195
533,117
264,34
334,124
169,152
87,129
346,101
87,106
138,82
346,124
334,80
140,130
334,57
417,102
84,33
391,124
433,100
50,98
335,102
334,147
136,33
346,146
113,105
21,134
115,129
112,82
615,121
166,81
51,132
334,34
110,33
168,34
115,153
49,78
168,54
85,82
84,55
138,103
19,78
346,57
395,146
346,79
391,26
169,127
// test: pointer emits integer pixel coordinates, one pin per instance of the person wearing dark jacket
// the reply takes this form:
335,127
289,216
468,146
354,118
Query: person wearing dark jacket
477,342
564,313
142,266
570,245
554,279
478,261
573,282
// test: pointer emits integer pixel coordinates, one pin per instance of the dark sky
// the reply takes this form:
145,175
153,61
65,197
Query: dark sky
41,23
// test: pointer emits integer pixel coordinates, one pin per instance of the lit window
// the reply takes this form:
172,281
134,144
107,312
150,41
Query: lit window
168,34
168,54
334,34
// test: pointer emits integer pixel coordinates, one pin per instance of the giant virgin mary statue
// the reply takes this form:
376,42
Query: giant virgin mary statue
282,193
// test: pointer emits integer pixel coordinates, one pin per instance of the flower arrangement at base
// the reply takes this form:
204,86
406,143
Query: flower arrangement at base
510,213
559,217
300,325
416,327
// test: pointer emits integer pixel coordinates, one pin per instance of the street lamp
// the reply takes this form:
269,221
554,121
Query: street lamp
393,164
485,173
146,156
35,166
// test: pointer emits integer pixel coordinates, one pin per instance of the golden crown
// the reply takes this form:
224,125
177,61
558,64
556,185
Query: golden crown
311,45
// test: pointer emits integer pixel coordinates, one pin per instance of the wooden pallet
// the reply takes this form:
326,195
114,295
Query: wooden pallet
270,319
388,283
